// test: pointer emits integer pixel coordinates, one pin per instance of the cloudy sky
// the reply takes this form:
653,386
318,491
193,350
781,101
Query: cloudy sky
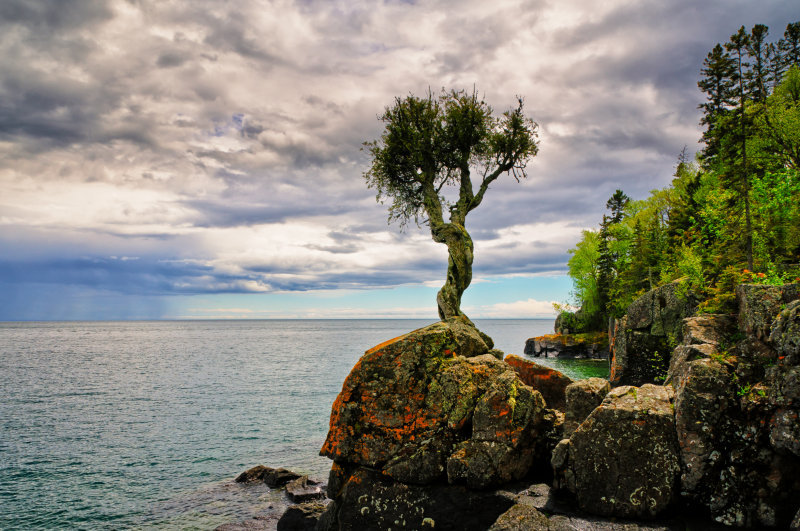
201,159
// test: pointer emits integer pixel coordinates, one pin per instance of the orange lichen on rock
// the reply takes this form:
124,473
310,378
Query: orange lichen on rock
550,382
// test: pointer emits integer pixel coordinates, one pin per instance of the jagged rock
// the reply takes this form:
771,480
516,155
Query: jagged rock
721,405
273,477
582,397
795,525
704,395
302,517
253,474
415,409
370,500
303,490
785,333
643,339
623,459
585,345
711,329
521,517
501,447
550,382
759,305
279,477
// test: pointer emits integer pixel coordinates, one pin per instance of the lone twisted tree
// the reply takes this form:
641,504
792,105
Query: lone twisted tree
432,142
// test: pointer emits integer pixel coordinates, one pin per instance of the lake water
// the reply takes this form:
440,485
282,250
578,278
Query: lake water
132,425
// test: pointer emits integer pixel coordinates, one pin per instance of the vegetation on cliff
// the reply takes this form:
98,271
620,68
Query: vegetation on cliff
730,216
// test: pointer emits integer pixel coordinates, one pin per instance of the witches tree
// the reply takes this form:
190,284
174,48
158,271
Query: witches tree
432,142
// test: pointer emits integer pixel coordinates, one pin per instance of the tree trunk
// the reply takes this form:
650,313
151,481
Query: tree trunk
459,269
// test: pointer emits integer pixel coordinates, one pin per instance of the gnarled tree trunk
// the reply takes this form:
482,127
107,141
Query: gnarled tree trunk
459,268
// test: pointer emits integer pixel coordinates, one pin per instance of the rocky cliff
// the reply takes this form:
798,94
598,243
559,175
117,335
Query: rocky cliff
433,430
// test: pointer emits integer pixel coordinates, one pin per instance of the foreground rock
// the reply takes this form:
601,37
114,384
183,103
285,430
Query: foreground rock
418,423
303,517
416,410
623,459
585,345
643,339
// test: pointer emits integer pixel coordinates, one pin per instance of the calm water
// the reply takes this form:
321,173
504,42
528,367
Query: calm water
129,425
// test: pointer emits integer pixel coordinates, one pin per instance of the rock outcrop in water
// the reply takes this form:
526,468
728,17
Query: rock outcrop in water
585,345
429,424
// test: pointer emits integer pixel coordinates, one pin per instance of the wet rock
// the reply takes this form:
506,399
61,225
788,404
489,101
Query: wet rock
759,305
279,477
582,397
303,490
302,517
643,339
253,474
370,500
549,382
623,459
273,477
584,345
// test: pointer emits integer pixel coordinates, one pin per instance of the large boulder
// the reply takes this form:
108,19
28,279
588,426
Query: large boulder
643,339
582,397
420,412
550,382
623,459
583,345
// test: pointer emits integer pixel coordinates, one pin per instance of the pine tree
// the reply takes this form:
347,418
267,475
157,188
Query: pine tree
717,82
790,45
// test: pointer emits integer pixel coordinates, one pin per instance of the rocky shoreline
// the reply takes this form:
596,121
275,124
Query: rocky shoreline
437,430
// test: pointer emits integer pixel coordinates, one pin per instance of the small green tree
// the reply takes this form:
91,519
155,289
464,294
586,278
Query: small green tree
431,142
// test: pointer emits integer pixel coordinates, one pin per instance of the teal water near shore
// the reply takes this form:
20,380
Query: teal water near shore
131,425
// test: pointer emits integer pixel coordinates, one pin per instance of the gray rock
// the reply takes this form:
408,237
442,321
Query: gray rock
581,399
759,305
623,459
303,490
303,517
642,340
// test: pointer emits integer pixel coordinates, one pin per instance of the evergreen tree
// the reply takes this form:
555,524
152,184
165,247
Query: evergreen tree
758,76
790,45
738,177
717,82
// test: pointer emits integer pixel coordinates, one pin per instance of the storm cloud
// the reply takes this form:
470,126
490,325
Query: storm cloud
154,149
